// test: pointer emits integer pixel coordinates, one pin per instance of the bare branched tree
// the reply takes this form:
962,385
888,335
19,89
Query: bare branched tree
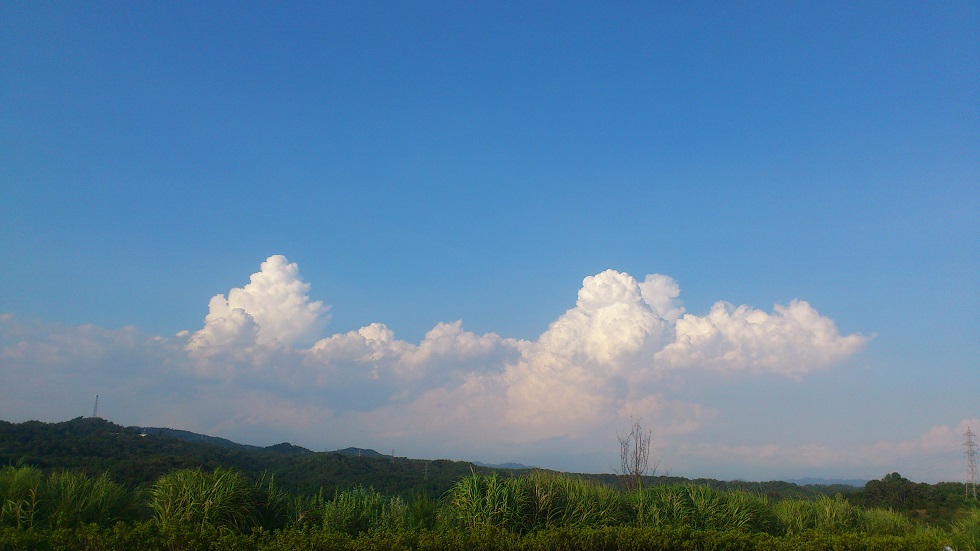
634,455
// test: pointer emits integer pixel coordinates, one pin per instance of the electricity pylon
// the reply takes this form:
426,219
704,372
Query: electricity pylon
971,463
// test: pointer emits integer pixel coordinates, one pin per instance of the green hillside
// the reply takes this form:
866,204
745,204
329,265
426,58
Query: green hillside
136,458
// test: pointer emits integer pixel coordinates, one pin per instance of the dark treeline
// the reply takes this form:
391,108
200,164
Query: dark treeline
91,484
95,446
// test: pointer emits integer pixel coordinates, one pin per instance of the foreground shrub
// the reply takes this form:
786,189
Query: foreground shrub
147,536
62,499
190,501
829,515
884,522
20,494
537,501
72,499
703,508
489,501
361,510
965,532
563,501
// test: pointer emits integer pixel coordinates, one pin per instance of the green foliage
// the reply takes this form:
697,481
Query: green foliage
361,510
214,506
273,504
703,508
536,501
422,513
830,515
62,499
480,501
20,494
192,502
937,503
885,522
566,501
72,499
965,531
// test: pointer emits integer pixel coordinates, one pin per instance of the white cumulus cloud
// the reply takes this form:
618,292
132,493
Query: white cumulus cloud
790,341
273,308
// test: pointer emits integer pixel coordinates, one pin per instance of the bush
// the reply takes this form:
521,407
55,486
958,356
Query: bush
830,515
72,499
965,532
63,499
703,508
884,522
20,494
565,501
190,501
489,501
360,510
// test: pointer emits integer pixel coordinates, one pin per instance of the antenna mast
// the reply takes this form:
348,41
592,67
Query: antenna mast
95,410
971,462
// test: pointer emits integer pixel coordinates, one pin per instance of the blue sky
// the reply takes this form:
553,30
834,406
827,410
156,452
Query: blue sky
427,163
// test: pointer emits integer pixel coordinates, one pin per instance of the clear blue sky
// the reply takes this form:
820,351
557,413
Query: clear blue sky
428,162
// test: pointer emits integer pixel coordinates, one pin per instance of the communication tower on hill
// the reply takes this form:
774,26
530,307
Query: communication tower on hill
971,463
95,410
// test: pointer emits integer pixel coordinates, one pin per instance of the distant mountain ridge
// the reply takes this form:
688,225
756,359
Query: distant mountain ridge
856,482
360,452
507,466
188,436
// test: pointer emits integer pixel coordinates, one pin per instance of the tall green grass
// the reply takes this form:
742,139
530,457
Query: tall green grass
834,515
20,496
965,531
536,501
568,502
74,499
61,499
481,501
190,500
192,509
361,510
703,508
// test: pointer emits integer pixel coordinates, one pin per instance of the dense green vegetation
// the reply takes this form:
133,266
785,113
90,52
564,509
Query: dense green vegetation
237,498
95,447
225,509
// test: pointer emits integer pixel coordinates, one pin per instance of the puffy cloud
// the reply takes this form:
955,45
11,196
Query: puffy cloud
236,330
791,341
449,342
372,343
273,308
606,351
610,321
660,292
597,364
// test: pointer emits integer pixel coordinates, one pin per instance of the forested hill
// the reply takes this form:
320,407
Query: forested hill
138,457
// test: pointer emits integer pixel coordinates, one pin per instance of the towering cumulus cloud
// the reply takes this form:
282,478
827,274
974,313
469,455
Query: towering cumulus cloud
272,309
601,356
